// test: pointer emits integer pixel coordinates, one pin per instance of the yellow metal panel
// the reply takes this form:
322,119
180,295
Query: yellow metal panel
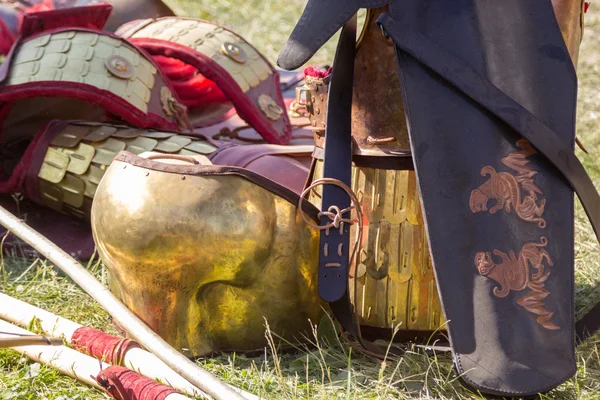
79,158
81,52
72,190
58,46
92,179
140,145
173,144
39,41
100,133
28,53
54,166
86,38
71,136
50,195
62,35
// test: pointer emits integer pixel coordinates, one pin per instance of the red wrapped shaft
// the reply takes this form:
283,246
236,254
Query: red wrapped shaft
125,384
108,348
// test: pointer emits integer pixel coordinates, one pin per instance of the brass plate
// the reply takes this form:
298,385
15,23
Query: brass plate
140,145
158,135
72,190
173,144
54,166
128,133
201,146
79,158
107,151
71,136
92,179
50,195
100,133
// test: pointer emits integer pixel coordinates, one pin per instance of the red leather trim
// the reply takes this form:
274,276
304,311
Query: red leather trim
91,16
105,99
110,102
30,163
211,70
37,150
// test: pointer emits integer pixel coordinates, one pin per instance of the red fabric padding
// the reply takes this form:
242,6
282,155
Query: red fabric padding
192,87
125,384
317,72
246,109
101,345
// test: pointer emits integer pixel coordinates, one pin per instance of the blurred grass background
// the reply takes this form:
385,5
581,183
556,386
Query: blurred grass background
328,370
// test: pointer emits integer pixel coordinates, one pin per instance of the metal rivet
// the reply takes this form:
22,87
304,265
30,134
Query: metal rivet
234,52
183,178
269,107
119,67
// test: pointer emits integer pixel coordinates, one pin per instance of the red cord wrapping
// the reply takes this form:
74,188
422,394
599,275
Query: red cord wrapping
191,86
125,384
317,72
108,348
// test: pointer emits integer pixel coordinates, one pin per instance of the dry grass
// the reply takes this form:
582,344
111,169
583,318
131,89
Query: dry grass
327,370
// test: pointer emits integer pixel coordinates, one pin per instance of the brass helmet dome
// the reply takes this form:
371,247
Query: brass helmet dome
204,254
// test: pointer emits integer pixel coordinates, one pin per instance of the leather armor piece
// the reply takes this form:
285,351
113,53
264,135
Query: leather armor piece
204,269
430,107
512,328
85,75
12,13
377,131
241,72
394,274
67,160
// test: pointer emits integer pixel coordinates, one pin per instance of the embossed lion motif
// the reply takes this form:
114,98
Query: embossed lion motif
506,189
513,274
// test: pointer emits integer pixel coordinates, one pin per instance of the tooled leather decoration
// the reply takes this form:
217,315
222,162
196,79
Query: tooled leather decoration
506,188
512,274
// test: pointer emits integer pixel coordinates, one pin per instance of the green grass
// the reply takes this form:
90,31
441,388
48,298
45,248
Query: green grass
327,370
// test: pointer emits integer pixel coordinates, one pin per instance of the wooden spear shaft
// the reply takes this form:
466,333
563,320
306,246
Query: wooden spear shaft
68,361
147,364
198,376
28,340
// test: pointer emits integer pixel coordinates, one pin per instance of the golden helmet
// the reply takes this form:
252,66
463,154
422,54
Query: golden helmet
205,254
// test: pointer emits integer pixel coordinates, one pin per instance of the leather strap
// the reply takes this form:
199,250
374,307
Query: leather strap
334,249
485,93
337,165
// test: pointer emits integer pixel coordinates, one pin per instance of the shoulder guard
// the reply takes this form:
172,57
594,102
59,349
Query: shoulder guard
245,76
70,66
